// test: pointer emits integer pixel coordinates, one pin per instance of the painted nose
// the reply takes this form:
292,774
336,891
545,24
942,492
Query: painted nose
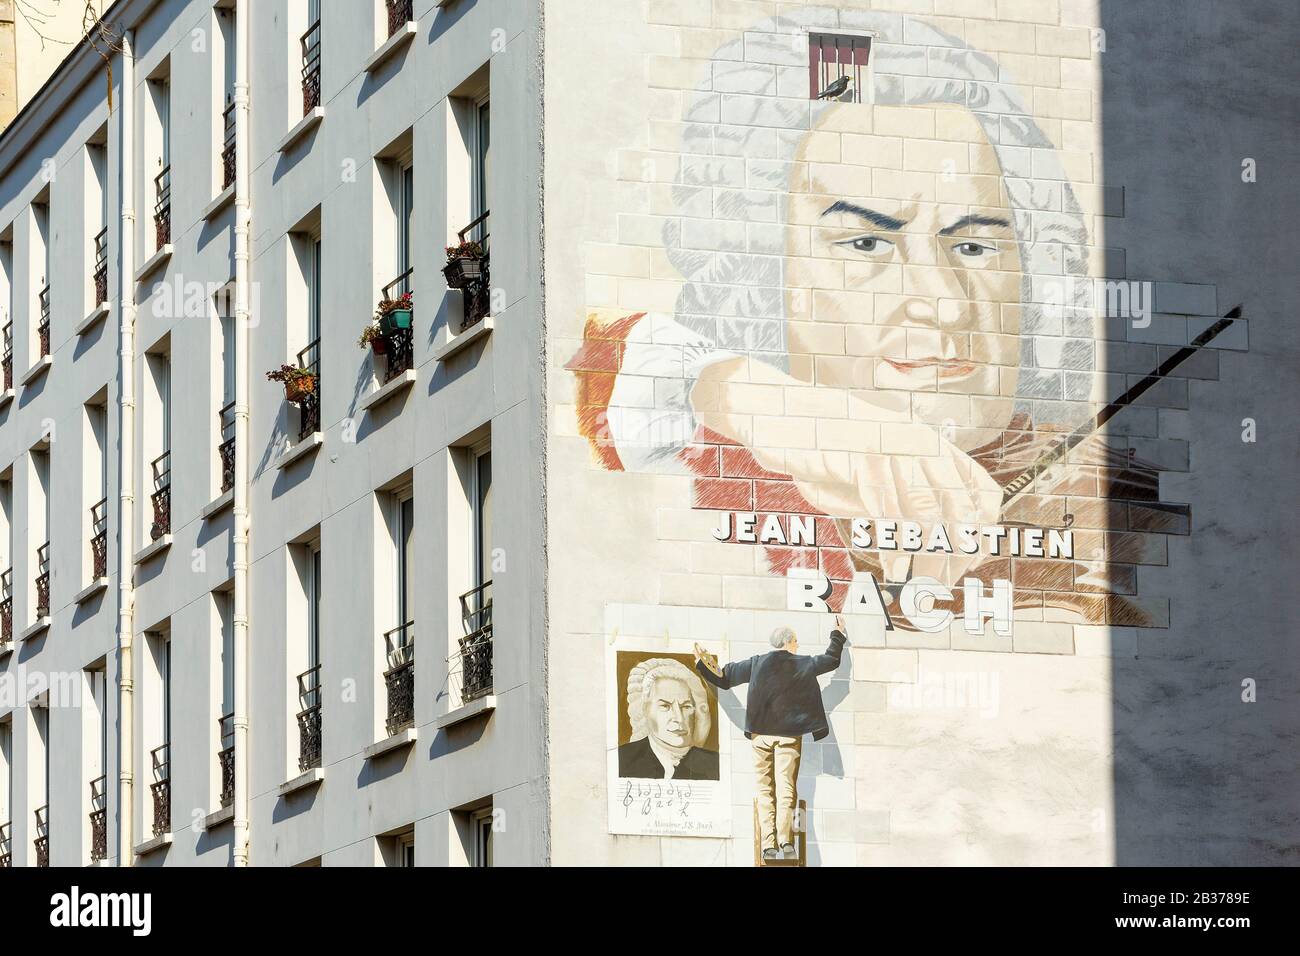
920,310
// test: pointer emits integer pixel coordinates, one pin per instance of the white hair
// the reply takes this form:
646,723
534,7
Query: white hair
781,637
736,298
640,686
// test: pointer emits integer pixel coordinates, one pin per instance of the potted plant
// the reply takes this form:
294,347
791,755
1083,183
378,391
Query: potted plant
299,383
464,264
372,337
394,314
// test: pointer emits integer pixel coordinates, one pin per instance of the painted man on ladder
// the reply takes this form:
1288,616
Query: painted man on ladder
783,704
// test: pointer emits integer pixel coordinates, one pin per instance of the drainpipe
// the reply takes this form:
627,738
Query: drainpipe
243,229
126,458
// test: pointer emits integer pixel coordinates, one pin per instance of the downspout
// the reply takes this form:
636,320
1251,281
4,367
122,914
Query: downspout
126,458
243,219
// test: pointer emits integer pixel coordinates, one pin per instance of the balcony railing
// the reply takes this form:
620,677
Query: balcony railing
42,841
99,819
477,290
309,739
226,450
162,207
162,496
309,407
43,325
99,541
6,848
6,608
400,677
311,68
228,148
8,357
161,789
399,14
399,351
226,758
43,580
100,275
476,646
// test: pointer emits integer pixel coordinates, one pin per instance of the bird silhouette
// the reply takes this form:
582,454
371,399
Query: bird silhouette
836,89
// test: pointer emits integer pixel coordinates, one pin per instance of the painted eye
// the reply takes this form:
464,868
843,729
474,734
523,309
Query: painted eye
868,245
974,250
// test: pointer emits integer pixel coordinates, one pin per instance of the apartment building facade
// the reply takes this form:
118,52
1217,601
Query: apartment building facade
726,319
267,174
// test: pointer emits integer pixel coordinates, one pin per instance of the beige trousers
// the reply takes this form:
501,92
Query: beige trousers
776,760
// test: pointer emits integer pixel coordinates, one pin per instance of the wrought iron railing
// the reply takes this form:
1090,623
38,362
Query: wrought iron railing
99,540
8,358
477,290
226,758
42,841
399,678
400,12
162,207
311,68
309,728
161,788
99,819
100,275
228,148
6,848
476,645
309,406
43,325
399,351
6,608
162,496
226,450
43,580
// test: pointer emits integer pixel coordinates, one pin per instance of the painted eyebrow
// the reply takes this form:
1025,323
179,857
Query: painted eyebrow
974,221
870,215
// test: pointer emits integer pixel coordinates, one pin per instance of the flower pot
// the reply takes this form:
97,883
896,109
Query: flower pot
299,389
390,322
462,270
379,345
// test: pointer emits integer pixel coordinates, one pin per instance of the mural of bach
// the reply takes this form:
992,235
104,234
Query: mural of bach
903,326
669,712
784,703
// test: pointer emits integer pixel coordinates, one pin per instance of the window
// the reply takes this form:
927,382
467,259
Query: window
224,605
405,218
41,258
97,189
7,321
307,558
482,164
838,67
311,49
226,404
472,653
399,643
40,526
303,321
481,834
158,131
7,562
39,783
6,789
95,742
95,490
225,37
158,728
157,438
397,849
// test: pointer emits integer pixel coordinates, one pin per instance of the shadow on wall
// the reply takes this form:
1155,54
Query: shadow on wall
1197,125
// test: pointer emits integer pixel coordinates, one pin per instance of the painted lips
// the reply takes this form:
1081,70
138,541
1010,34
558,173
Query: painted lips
947,368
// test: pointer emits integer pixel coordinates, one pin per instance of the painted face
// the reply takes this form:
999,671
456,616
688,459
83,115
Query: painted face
670,710
903,273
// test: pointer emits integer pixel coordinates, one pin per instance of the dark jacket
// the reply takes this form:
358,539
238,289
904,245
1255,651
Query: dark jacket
784,696
638,760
